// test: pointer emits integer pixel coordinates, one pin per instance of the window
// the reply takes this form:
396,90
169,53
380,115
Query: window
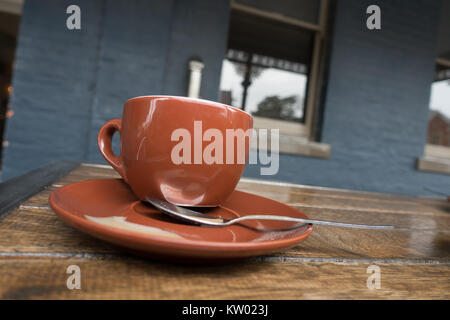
264,86
439,121
437,149
272,63
438,133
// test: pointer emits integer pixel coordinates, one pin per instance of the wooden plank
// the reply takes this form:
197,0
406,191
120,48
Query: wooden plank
35,228
130,278
303,195
16,190
290,188
89,171
40,230
36,248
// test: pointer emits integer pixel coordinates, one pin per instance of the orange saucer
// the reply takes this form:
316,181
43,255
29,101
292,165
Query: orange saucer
108,210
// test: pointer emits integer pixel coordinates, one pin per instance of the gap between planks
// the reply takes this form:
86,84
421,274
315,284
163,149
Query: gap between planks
285,259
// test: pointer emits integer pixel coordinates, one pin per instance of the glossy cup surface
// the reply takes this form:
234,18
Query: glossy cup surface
145,161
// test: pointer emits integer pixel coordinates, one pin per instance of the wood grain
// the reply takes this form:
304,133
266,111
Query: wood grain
130,278
35,228
36,248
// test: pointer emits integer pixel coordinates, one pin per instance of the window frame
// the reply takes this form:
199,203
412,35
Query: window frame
304,130
436,158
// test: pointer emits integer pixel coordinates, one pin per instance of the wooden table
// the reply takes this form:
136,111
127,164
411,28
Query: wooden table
36,248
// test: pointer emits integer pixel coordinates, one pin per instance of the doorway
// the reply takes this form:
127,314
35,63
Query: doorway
9,28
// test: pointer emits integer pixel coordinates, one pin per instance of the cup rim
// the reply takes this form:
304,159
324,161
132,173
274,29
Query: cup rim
204,101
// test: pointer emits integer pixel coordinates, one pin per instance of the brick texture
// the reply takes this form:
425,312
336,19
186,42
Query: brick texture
376,104
67,83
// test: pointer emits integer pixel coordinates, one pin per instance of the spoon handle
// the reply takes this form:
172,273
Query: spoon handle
319,222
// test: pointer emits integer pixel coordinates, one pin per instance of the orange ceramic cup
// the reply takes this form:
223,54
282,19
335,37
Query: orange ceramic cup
148,137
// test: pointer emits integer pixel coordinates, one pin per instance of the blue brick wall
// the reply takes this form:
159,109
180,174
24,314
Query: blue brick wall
53,81
376,104
132,60
68,83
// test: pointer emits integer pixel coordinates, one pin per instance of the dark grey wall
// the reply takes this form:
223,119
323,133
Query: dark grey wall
67,83
376,105
53,81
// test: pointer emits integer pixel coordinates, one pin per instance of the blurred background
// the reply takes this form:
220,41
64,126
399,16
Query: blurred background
357,108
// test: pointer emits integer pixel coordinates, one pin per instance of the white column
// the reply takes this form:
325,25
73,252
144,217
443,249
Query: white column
195,78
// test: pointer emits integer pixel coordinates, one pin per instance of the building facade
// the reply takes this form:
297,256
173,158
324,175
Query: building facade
371,97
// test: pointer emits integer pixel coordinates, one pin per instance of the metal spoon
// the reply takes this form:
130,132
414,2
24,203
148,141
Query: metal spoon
200,218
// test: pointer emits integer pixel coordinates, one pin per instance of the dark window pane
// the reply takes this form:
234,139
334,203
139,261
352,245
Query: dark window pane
258,35
266,67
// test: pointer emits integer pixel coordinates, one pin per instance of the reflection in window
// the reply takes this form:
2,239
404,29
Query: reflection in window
264,86
439,121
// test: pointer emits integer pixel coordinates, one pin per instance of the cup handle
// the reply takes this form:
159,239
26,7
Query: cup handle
104,141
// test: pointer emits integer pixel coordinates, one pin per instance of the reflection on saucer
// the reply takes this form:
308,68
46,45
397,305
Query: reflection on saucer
115,215
121,223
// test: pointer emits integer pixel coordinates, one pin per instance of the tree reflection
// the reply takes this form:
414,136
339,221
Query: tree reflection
277,108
